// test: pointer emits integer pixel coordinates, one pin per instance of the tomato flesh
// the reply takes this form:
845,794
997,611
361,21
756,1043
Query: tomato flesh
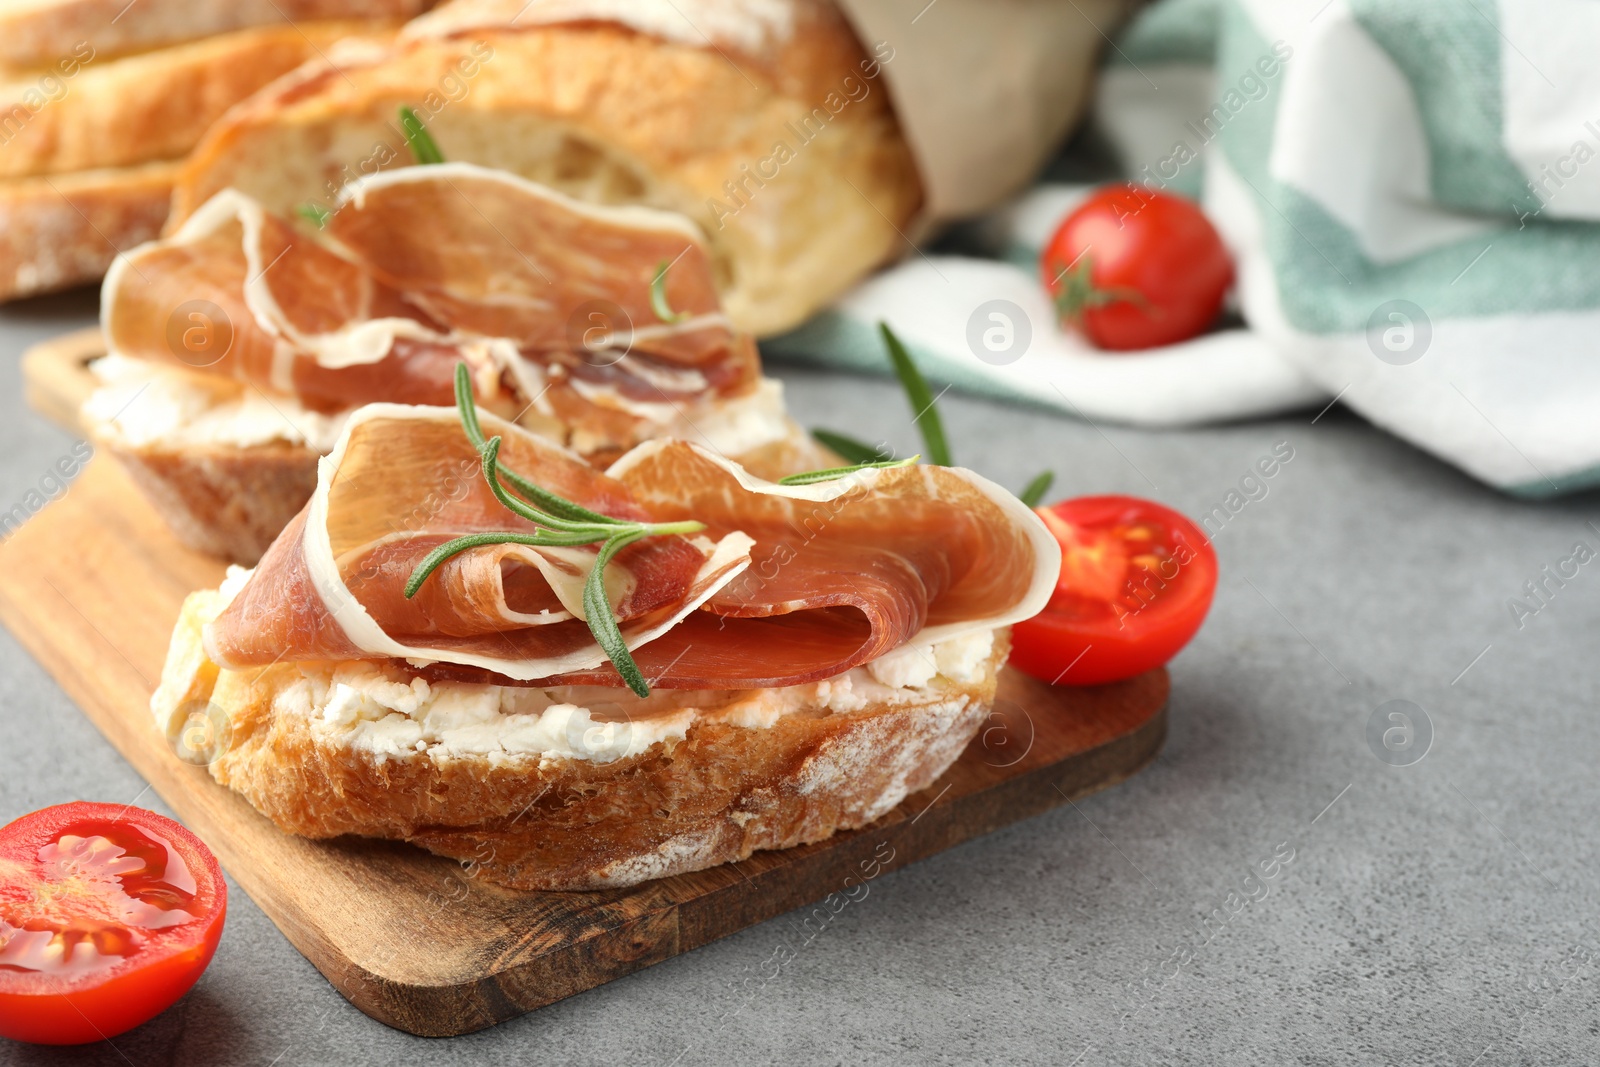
1135,268
108,914
1136,582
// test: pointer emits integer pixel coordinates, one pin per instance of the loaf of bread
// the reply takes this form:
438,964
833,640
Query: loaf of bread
91,134
62,230
36,33
154,105
768,125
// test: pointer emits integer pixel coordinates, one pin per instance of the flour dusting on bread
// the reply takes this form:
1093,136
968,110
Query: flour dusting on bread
538,792
751,26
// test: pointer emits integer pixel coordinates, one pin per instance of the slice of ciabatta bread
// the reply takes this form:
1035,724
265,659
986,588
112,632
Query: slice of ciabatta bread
231,500
228,466
774,133
34,34
573,788
61,230
225,500
152,105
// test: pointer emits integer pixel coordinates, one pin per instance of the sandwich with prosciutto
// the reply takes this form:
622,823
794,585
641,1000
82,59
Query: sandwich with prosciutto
240,345
473,640
767,123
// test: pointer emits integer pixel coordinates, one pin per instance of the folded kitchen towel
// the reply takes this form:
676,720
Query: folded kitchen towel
1410,190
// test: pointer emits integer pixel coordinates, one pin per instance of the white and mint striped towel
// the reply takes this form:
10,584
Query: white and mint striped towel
1411,189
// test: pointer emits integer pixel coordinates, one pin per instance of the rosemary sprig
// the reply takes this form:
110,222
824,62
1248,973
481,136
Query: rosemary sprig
1037,488
603,621
562,523
552,503
923,403
923,410
423,147
849,448
658,296
830,473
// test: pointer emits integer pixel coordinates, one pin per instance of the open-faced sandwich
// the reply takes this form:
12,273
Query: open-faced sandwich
473,640
766,123
240,344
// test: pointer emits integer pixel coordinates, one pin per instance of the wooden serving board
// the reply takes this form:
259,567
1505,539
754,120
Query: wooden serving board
55,374
91,586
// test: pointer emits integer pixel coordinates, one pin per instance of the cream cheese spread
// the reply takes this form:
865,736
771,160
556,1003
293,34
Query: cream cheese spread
143,404
389,712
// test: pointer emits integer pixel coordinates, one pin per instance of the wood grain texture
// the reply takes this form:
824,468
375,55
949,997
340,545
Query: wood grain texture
91,586
56,378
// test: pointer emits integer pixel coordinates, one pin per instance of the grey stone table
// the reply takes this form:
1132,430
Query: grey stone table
1441,912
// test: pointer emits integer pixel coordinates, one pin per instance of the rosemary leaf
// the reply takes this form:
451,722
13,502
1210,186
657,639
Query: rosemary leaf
813,477
315,214
423,147
849,448
924,413
1037,489
563,523
552,503
466,408
658,296
603,620
491,474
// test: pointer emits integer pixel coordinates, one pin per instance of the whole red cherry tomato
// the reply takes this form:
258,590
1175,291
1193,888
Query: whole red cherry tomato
1136,582
108,914
1135,268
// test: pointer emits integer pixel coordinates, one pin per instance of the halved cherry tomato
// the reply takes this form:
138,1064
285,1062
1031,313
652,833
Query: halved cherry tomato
1135,268
108,914
1136,583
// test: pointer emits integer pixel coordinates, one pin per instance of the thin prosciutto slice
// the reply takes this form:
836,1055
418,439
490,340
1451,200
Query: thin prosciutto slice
400,482
788,584
418,269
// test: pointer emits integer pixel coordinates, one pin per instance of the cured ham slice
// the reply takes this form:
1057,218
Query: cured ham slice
242,294
491,254
403,480
787,585
420,268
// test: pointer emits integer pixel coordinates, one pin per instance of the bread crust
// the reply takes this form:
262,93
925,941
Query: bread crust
64,230
39,34
608,114
223,500
154,105
720,795
232,501
527,822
